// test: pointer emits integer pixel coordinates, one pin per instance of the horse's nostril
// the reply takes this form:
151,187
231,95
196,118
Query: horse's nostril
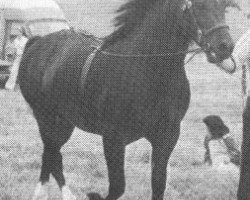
225,47
231,48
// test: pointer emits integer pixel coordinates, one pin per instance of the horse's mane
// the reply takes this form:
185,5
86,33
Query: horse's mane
130,16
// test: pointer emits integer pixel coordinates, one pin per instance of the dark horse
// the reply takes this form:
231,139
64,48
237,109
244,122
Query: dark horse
133,86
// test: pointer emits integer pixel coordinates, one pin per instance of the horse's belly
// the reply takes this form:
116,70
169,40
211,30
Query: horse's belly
87,119
127,114
78,118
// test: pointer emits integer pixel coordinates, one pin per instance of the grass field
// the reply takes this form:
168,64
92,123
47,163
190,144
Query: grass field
213,92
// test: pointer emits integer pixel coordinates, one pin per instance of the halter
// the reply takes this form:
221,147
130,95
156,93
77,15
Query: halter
201,34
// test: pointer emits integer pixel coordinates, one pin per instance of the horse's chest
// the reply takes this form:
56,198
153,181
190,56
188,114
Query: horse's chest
127,96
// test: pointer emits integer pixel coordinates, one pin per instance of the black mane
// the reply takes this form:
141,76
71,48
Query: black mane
131,16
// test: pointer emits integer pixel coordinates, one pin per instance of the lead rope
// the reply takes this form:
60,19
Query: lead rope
195,51
198,51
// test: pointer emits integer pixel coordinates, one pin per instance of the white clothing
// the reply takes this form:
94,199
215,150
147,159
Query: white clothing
11,82
241,51
241,55
19,44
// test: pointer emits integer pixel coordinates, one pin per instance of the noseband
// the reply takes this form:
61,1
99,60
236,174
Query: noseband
202,35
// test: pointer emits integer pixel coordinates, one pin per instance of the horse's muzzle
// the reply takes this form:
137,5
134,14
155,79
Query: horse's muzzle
221,52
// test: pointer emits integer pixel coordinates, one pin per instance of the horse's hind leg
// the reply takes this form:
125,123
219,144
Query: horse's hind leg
55,132
114,150
46,125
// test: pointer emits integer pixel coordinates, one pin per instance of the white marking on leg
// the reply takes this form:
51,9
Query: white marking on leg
67,194
41,192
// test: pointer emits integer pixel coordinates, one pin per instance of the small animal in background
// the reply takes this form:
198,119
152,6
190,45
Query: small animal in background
217,130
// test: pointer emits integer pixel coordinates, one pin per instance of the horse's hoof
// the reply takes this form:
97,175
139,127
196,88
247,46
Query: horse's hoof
67,194
208,162
95,196
41,192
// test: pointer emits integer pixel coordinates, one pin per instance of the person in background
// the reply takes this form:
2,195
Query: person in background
217,130
241,55
19,44
10,48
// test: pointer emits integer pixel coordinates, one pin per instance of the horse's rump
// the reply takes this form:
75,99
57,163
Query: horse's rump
46,57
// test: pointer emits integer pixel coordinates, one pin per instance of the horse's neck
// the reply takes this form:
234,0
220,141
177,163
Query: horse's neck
153,36
151,44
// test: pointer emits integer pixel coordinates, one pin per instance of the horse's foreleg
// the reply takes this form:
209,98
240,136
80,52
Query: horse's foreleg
162,147
114,150
244,185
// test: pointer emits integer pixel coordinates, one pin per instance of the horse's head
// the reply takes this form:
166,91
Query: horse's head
205,23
